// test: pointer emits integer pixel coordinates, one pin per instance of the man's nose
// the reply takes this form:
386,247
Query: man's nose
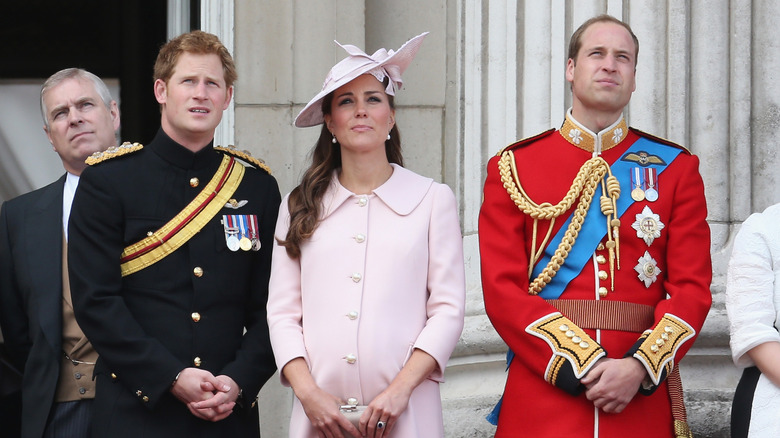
74,116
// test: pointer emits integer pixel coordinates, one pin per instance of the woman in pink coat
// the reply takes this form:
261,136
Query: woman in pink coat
367,286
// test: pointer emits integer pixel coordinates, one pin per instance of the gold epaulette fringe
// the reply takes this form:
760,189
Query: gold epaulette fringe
113,152
245,156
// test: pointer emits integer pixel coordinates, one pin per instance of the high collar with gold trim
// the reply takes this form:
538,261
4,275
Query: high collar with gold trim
596,143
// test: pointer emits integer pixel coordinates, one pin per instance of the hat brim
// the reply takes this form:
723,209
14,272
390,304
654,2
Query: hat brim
312,114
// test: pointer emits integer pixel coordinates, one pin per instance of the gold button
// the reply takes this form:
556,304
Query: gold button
603,291
139,393
654,348
145,399
659,341
356,277
350,358
569,333
198,271
195,316
668,329
601,259
352,401
149,233
603,275
360,238
664,336
113,376
196,361
194,182
576,339
584,345
352,315
600,247
563,328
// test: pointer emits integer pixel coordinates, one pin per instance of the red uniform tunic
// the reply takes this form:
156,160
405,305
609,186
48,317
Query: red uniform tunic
543,396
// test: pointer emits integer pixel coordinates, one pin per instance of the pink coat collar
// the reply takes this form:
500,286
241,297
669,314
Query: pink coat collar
403,192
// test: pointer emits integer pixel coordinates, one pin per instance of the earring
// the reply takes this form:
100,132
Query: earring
334,141
388,136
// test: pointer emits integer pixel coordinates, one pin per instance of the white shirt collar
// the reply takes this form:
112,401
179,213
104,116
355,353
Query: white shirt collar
69,189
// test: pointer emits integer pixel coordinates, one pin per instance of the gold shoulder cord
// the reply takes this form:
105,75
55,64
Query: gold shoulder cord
244,155
583,188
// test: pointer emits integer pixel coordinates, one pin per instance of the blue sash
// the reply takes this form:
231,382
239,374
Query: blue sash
594,228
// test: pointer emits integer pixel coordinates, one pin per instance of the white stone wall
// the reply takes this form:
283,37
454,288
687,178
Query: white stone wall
493,72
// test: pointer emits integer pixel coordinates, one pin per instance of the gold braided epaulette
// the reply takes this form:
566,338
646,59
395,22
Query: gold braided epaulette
526,141
113,152
659,139
245,156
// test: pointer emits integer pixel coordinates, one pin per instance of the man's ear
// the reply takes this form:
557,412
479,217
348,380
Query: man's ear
229,97
160,91
114,110
570,64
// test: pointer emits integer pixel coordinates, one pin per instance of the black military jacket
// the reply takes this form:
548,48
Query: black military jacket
203,305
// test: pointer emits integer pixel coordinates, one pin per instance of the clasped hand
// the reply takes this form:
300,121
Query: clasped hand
208,397
613,383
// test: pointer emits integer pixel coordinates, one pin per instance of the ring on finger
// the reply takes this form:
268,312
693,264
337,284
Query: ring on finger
380,424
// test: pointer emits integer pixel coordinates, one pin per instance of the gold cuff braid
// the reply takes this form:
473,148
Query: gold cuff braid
660,345
568,343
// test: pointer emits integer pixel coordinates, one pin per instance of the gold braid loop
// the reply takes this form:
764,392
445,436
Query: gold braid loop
613,189
590,175
606,205
508,171
613,186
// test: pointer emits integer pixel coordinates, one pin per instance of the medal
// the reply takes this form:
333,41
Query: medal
652,180
243,225
637,181
638,194
231,232
647,269
233,243
253,234
648,225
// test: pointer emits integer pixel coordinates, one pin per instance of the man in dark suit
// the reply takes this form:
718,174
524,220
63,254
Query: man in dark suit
10,395
170,256
36,314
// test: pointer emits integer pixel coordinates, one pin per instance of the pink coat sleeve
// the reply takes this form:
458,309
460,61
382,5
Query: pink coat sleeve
284,300
446,281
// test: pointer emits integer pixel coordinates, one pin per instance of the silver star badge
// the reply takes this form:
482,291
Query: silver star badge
647,268
648,225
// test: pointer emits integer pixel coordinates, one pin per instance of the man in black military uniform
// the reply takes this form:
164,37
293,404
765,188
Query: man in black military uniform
170,252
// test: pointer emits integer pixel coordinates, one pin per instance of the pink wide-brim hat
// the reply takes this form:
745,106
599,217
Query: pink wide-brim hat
381,64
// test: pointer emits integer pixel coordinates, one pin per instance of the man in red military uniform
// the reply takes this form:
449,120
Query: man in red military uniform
595,260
